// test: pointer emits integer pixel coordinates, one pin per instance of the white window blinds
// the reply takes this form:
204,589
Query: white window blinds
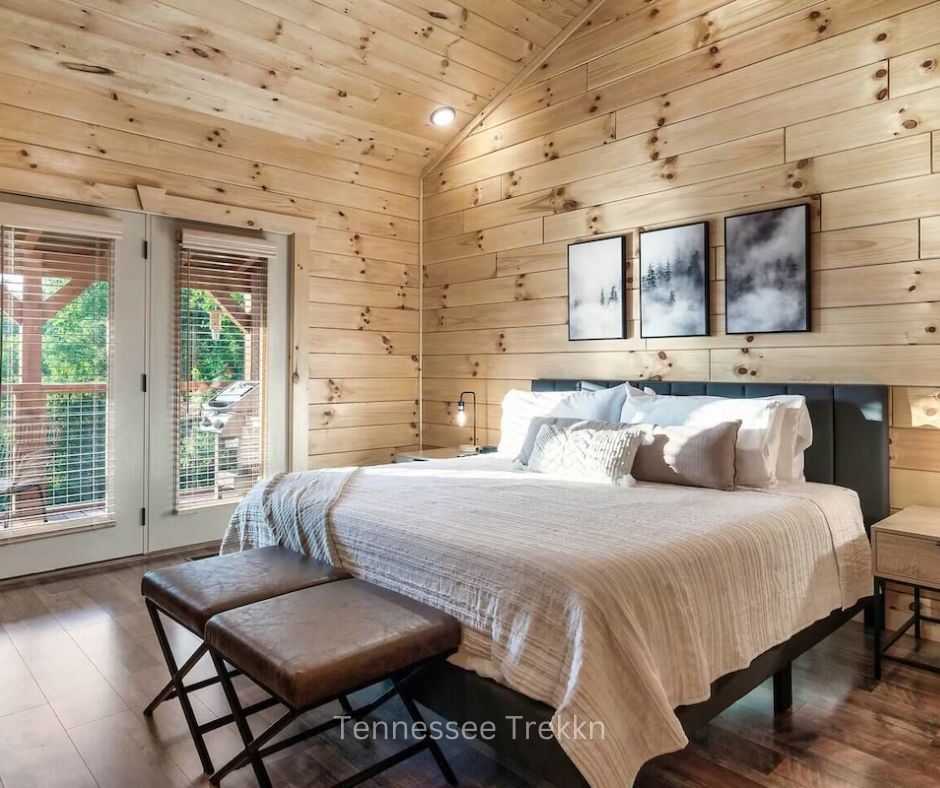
220,366
56,275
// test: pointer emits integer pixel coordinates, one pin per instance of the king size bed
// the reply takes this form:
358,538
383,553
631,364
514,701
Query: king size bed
624,616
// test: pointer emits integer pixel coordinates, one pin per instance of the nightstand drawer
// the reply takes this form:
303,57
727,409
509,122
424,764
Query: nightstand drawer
907,557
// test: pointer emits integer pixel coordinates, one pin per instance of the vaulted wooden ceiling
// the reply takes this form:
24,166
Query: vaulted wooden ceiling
360,75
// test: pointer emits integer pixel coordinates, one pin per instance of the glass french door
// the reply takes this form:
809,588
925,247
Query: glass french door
72,408
143,383
218,362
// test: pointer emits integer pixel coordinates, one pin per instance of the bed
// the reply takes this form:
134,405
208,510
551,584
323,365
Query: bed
650,616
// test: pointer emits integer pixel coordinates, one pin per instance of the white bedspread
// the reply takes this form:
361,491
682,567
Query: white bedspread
612,605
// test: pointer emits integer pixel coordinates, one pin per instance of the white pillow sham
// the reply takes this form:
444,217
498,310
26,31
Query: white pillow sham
520,407
796,436
601,454
758,444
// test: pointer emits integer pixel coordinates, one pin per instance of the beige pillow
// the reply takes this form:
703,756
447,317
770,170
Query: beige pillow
585,454
691,455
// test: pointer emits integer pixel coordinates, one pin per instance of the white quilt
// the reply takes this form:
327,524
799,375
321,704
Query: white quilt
612,605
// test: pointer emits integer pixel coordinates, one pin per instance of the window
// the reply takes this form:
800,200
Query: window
55,371
220,366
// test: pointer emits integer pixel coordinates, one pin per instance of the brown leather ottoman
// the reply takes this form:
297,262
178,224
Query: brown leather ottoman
318,644
191,593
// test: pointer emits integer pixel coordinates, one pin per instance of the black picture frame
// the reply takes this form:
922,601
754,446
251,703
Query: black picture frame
705,285
620,284
802,259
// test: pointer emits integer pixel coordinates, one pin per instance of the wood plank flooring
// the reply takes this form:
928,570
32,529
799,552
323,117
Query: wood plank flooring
78,661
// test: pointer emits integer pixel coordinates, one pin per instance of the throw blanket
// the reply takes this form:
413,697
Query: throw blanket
289,509
611,605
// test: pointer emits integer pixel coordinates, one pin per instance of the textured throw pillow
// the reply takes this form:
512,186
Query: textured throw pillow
693,456
522,459
520,407
586,454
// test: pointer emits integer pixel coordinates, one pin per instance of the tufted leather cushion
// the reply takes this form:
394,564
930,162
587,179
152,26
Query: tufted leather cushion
311,645
195,591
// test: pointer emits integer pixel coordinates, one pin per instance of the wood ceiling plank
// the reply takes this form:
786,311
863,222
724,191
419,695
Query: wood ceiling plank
232,53
119,45
326,52
426,33
517,42
371,42
558,12
141,74
511,15
340,157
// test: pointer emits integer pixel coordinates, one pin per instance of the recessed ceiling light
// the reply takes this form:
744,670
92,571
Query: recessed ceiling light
443,116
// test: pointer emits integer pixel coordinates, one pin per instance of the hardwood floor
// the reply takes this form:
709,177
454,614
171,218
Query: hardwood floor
78,661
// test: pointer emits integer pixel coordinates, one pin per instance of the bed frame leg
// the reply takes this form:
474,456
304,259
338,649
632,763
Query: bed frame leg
783,689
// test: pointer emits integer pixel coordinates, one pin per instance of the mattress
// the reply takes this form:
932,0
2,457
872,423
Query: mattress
612,605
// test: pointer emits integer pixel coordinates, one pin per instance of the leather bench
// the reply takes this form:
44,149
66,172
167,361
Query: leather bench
192,592
320,643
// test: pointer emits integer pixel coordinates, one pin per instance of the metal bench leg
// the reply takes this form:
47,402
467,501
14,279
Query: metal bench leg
783,689
431,744
176,680
241,722
169,691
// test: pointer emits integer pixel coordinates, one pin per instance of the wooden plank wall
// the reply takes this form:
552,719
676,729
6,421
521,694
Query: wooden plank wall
356,216
688,111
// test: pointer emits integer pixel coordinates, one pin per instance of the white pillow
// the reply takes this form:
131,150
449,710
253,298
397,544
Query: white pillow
796,436
581,453
631,391
758,444
598,405
520,407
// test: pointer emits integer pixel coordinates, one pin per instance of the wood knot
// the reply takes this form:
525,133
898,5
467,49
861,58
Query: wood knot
928,64
881,73
797,184
662,355
882,94
881,37
910,123
742,370
713,50
931,329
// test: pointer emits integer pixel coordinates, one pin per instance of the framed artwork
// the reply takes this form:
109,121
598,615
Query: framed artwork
596,302
673,278
767,271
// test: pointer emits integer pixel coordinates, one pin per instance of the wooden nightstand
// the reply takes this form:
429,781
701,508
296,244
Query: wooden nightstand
906,550
424,455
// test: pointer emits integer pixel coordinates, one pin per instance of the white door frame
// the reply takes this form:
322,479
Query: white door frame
57,548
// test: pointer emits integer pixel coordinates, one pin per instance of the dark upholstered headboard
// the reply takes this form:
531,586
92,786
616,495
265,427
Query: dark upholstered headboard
850,429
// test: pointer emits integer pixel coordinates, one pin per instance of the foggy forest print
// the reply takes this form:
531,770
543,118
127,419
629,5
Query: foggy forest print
766,271
596,305
674,281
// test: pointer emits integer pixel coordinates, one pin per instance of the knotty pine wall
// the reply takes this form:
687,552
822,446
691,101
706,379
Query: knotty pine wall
689,111
353,209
